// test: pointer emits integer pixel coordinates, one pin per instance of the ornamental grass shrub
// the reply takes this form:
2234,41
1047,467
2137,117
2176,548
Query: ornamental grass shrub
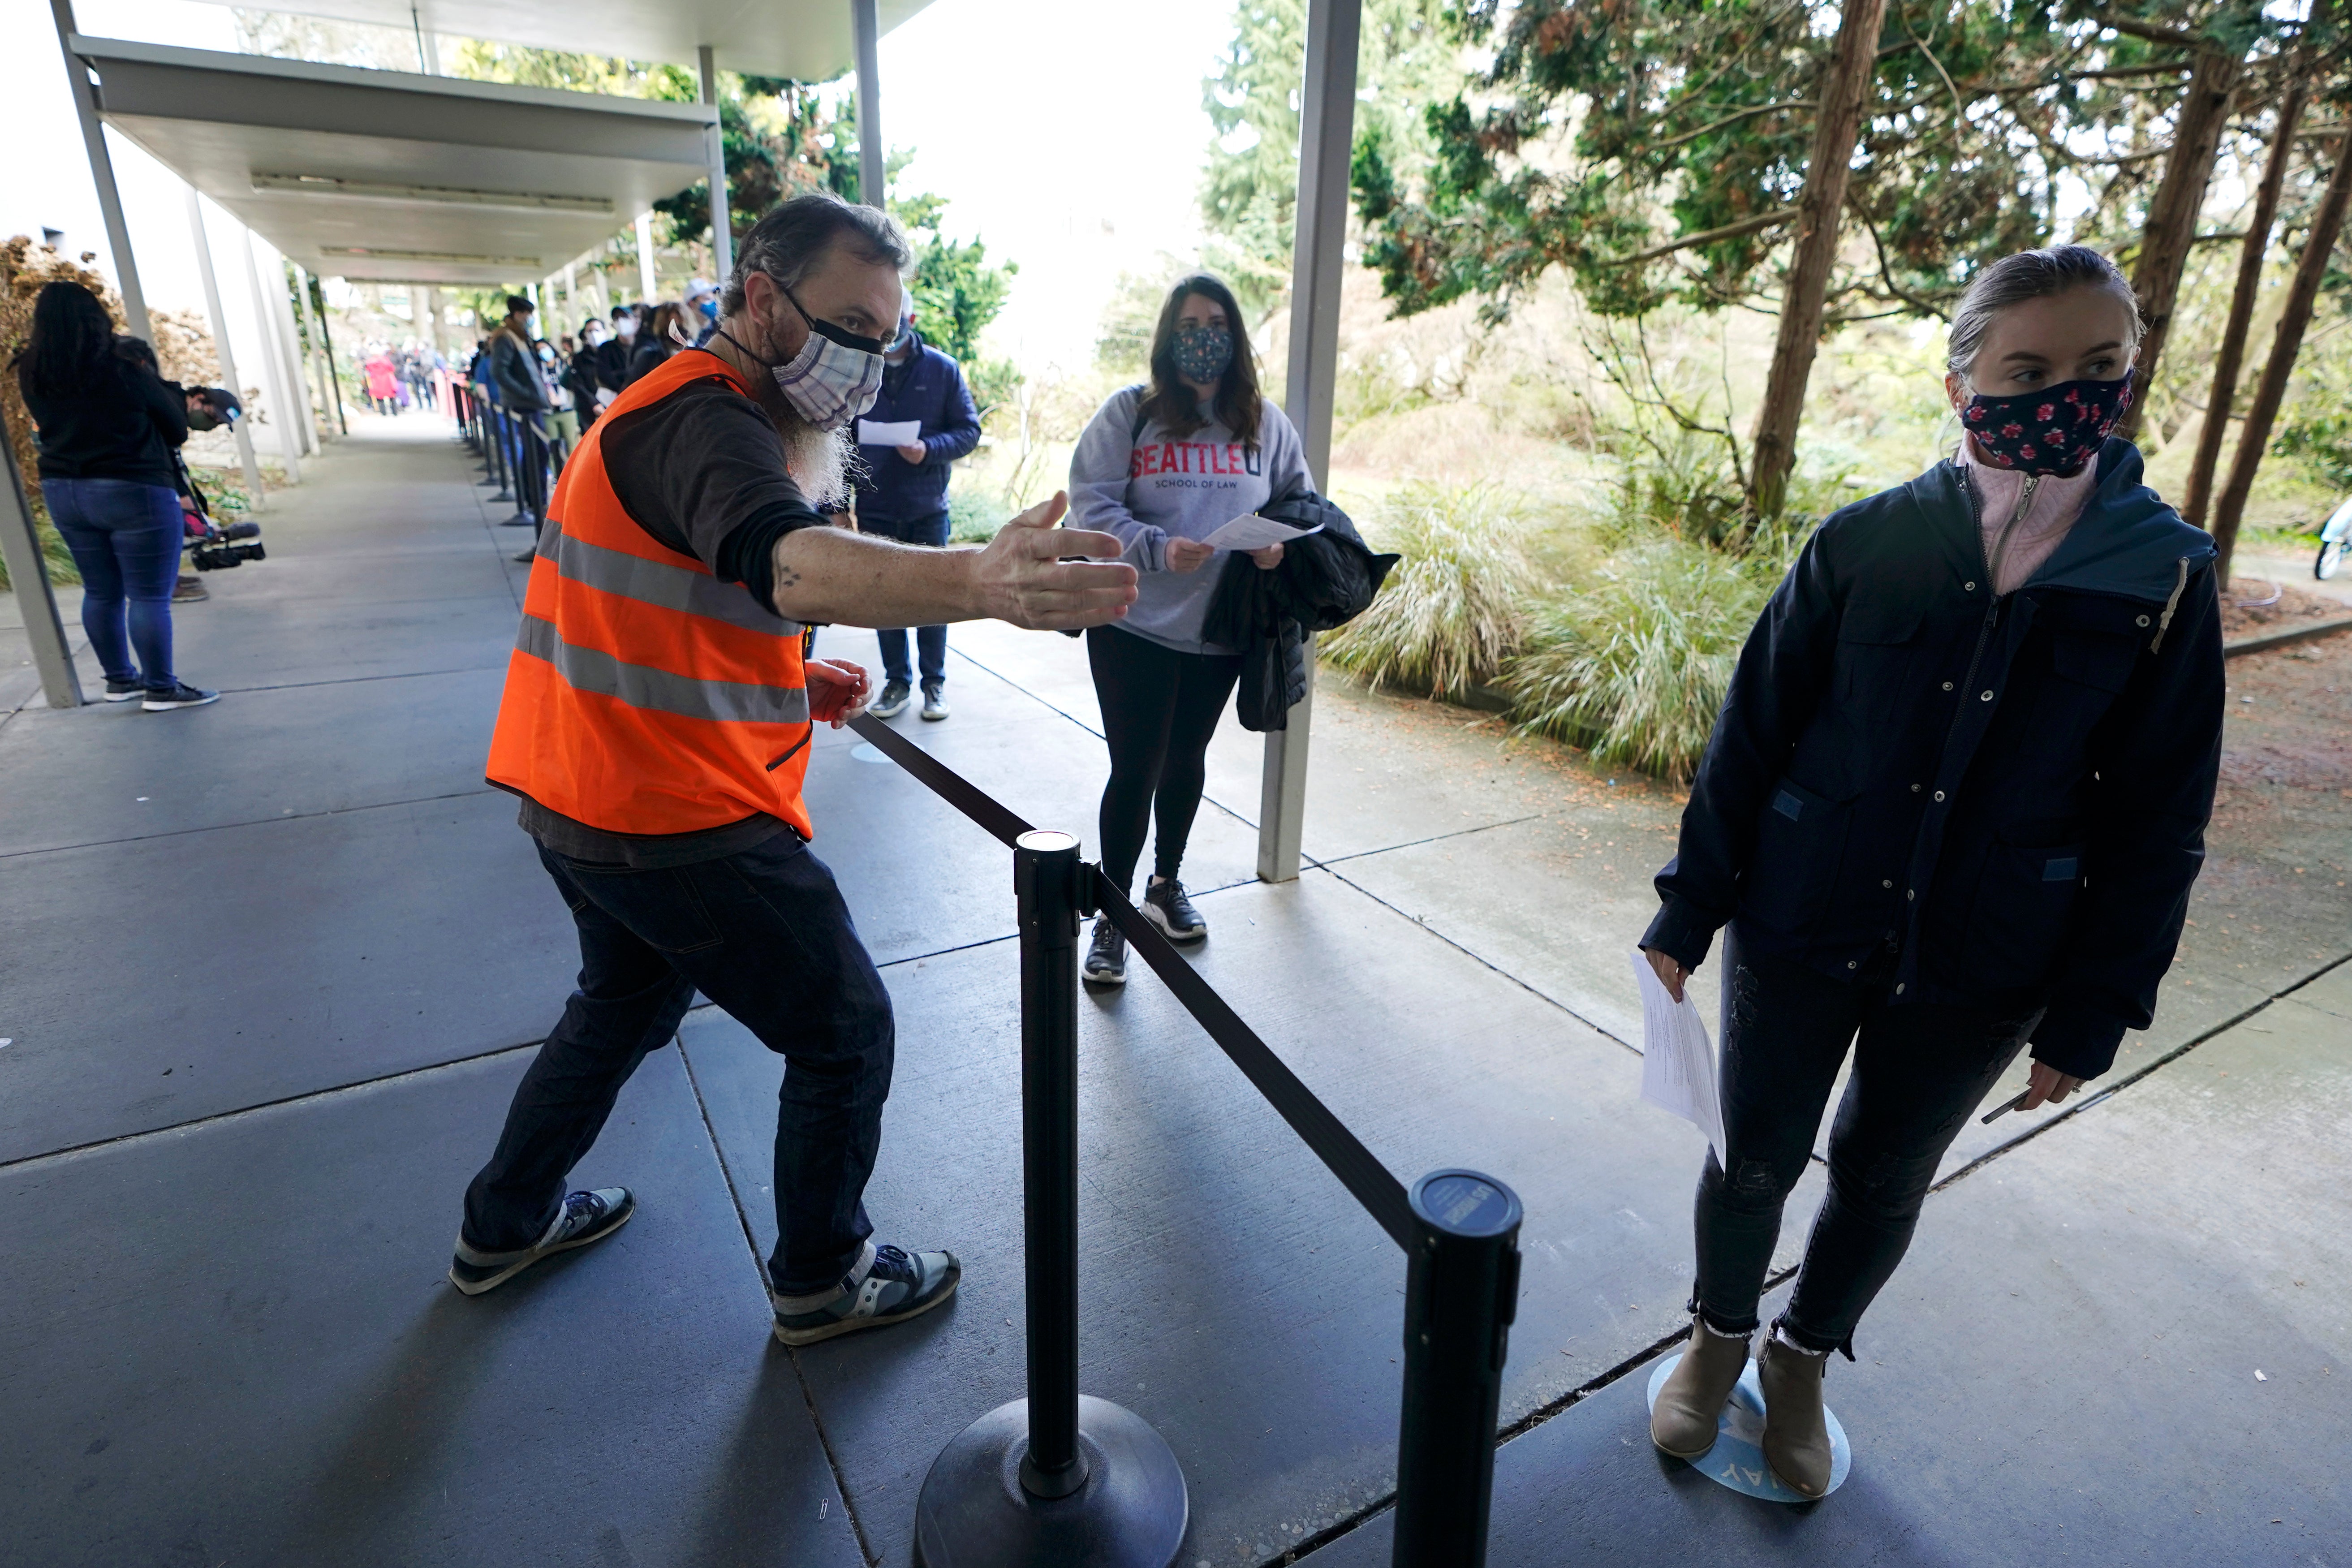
1633,664
1455,610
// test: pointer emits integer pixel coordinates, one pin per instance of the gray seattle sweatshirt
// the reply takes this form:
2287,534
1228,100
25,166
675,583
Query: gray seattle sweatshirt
1154,486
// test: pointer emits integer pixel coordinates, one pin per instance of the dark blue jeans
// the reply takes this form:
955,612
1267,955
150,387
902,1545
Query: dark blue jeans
1918,1071
930,642
125,537
766,936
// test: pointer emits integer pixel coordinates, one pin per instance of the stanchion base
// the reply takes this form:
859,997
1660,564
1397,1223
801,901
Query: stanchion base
1131,1513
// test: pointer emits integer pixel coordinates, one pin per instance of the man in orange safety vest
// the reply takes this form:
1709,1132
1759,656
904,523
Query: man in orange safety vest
656,723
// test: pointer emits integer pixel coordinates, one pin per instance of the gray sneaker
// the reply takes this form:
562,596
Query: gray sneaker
1107,955
889,1285
893,701
935,704
584,1217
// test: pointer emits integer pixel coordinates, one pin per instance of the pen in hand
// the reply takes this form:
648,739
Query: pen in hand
2005,1106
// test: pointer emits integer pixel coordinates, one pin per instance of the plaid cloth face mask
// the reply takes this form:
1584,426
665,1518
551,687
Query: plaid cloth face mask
835,377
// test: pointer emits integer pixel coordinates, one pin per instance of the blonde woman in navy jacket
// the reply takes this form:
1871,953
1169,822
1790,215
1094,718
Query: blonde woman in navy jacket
1951,809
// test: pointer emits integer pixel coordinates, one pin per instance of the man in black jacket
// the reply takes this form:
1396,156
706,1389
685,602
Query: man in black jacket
522,394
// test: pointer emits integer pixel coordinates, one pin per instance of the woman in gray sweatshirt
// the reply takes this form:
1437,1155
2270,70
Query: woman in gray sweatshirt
1163,465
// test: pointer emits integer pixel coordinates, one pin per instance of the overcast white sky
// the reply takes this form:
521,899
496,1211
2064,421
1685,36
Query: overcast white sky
1066,133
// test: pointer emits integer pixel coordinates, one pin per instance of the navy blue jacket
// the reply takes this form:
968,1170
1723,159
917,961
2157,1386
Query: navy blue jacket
1988,802
929,387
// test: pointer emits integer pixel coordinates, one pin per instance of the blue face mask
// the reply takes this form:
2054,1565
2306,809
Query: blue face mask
710,310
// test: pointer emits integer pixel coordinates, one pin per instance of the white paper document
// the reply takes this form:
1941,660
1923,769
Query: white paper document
1251,531
899,433
1677,1059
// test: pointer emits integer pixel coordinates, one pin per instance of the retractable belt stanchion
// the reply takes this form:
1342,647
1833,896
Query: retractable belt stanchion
502,435
1058,1477
1066,1479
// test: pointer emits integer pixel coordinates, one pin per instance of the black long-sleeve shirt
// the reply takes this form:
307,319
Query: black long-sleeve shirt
120,424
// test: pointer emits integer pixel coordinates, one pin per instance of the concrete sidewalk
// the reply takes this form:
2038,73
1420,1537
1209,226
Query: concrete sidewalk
270,969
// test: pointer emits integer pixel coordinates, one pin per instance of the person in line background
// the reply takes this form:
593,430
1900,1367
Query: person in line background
105,427
1161,465
701,310
563,423
382,379
657,339
902,490
522,393
1953,803
612,353
579,372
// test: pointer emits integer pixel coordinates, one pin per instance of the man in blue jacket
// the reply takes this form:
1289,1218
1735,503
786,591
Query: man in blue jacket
901,488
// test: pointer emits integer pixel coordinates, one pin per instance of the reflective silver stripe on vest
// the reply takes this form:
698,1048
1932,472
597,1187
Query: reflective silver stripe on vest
642,686
659,583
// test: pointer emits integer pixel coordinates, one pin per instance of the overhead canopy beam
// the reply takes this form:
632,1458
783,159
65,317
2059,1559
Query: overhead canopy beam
807,41
397,178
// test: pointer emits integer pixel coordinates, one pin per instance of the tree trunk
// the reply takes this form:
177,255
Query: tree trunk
2254,437
2241,308
2171,225
1839,121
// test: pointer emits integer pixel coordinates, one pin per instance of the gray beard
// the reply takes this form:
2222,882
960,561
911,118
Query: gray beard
819,459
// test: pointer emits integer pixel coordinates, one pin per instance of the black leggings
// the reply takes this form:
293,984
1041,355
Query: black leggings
1159,710
1918,1071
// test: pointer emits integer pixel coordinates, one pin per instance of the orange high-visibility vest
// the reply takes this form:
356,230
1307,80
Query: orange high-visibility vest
644,694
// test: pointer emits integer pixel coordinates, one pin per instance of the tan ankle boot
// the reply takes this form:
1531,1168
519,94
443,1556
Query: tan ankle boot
1796,1437
1683,1421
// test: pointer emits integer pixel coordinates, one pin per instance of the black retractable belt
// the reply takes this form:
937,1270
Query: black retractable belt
1065,1479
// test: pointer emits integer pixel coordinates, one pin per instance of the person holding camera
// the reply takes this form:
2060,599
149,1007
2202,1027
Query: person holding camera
656,724
106,426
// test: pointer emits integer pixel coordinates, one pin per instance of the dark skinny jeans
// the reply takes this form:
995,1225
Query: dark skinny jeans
1159,709
125,536
1919,1072
764,934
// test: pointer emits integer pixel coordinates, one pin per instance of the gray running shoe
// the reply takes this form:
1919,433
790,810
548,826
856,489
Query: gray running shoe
180,695
935,704
889,1285
1165,906
584,1217
1107,955
893,701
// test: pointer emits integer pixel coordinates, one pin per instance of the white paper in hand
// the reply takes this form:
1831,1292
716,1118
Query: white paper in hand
1251,531
896,433
1677,1059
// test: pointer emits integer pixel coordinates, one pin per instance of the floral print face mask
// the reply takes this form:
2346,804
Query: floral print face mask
2054,430
1202,354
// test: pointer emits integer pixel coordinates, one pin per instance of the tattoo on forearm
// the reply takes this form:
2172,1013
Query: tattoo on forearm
789,579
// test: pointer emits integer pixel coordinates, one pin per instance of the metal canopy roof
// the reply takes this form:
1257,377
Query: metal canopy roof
382,175
808,40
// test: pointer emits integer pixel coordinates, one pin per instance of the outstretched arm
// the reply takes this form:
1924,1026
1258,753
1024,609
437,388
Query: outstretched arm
1033,574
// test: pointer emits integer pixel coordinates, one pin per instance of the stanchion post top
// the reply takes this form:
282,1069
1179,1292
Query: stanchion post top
1047,841
1466,1203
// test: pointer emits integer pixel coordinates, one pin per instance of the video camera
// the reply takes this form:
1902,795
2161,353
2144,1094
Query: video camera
217,549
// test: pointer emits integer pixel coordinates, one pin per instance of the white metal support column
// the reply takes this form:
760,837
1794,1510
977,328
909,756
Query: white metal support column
29,578
331,391
722,237
872,172
1327,129
645,258
572,317
101,174
219,319
273,369
286,340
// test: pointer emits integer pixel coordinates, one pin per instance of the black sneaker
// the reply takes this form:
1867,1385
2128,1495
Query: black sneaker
935,704
584,1217
889,1285
1165,906
179,695
124,690
1107,955
527,557
894,699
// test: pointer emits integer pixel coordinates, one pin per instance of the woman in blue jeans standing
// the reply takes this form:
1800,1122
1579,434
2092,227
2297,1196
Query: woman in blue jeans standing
106,424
